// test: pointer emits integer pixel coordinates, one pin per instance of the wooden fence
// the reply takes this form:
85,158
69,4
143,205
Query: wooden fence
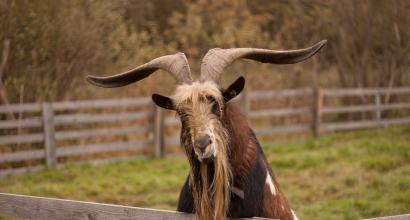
142,127
31,207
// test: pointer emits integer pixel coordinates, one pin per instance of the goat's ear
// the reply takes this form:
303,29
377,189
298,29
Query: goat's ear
234,89
163,101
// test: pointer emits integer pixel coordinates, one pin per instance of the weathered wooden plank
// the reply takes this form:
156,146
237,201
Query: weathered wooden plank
394,217
267,94
349,109
350,125
90,118
354,125
171,141
22,123
31,107
172,121
20,170
317,112
39,208
245,102
393,106
158,130
74,105
365,91
21,138
378,110
102,148
49,135
363,108
282,129
395,121
279,112
69,135
22,155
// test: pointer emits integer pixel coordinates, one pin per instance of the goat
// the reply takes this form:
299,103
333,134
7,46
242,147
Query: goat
229,174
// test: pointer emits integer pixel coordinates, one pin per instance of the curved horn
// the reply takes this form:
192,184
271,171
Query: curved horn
177,65
216,60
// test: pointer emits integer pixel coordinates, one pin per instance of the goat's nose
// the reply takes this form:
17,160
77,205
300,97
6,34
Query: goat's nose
202,142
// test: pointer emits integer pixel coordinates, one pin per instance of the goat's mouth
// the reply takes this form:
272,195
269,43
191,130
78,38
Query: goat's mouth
206,156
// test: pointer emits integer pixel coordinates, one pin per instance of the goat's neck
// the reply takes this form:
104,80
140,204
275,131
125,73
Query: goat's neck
243,144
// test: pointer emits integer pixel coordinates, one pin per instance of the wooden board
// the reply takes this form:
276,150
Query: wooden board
92,118
23,123
365,91
282,129
102,148
39,208
70,135
268,94
16,108
21,138
279,112
75,105
22,155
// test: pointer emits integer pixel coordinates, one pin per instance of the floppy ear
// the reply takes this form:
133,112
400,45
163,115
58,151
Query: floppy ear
234,89
163,101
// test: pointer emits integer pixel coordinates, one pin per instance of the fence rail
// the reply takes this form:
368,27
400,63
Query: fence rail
50,124
32,207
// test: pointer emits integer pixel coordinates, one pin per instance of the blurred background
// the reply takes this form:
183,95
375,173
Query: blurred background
52,45
350,94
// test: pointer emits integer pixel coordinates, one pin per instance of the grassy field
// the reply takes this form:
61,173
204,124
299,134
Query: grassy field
349,175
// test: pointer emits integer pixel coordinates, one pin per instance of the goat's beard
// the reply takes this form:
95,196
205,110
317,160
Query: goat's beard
210,183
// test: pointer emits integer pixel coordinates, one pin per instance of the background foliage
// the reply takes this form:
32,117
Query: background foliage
47,47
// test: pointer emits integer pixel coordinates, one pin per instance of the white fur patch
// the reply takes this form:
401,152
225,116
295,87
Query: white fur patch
212,135
294,215
270,183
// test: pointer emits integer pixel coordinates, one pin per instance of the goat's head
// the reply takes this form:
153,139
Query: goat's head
200,106
200,103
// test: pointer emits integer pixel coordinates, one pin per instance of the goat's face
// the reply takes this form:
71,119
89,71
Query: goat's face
200,106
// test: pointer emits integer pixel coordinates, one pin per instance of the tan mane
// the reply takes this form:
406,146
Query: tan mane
211,196
195,92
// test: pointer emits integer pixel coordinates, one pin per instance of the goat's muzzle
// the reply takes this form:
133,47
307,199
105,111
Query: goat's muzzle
204,149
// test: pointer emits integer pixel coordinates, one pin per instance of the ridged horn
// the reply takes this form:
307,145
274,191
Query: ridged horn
216,60
176,64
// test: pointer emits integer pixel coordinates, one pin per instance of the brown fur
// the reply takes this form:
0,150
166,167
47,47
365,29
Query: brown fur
243,158
243,146
275,206
236,154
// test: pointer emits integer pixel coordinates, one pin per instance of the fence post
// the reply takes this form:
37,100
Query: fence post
378,110
49,134
245,103
317,111
158,132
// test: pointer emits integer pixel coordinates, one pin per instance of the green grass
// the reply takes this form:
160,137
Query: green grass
349,175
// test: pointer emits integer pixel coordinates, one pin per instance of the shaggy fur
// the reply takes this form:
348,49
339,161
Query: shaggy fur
209,183
239,161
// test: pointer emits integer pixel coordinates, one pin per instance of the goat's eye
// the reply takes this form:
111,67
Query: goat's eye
216,109
210,99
